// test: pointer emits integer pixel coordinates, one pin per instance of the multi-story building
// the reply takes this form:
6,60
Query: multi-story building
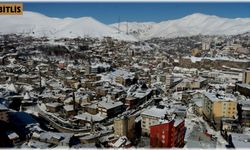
126,79
137,95
125,126
191,83
168,81
151,117
167,134
246,76
206,45
244,89
218,106
110,108
244,112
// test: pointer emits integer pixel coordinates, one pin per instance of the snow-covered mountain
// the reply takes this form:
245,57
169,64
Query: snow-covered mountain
138,30
38,25
190,25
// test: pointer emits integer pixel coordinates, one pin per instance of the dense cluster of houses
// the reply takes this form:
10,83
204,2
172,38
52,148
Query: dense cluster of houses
109,93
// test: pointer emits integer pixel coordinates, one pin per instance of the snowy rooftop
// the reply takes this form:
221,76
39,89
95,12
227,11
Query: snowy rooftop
155,112
13,136
138,92
27,96
3,107
199,103
214,97
177,122
100,65
63,137
240,140
195,59
244,85
55,104
89,117
68,107
11,87
35,144
119,72
110,104
121,141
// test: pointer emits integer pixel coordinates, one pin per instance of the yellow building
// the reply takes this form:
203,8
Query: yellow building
219,106
196,52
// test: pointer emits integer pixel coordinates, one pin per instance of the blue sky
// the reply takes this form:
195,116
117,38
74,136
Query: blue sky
141,12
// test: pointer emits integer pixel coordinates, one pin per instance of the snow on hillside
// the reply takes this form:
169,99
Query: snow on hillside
38,25
88,26
136,29
187,26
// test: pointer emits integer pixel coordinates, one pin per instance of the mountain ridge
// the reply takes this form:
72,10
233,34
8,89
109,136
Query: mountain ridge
38,25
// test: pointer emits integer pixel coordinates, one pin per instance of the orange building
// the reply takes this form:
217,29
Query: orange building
168,134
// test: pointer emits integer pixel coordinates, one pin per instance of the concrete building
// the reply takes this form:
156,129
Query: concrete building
218,106
53,107
244,89
167,134
191,83
238,140
198,105
69,110
137,95
206,45
246,76
244,112
125,126
151,117
168,81
110,108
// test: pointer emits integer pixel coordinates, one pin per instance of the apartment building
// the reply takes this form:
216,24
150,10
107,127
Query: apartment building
167,134
217,106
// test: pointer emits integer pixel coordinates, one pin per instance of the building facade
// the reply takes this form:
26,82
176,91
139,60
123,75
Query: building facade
217,107
167,135
125,126
246,76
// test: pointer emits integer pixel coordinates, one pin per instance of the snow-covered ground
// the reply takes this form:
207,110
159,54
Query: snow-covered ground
144,142
192,122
